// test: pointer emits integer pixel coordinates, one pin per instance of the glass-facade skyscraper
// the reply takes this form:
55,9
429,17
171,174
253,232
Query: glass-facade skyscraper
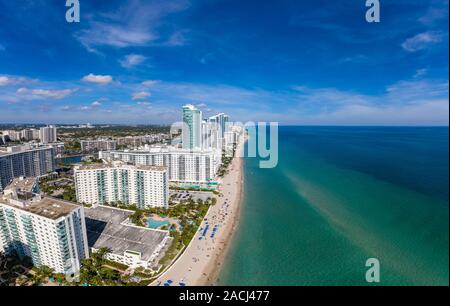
192,127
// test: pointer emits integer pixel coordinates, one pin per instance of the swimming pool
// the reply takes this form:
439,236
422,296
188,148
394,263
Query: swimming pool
152,223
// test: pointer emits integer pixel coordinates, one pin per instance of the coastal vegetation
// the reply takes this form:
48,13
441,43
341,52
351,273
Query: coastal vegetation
20,271
71,136
95,270
188,215
61,188
226,161
223,169
99,271
111,131
185,217
41,274
72,147
15,271
91,161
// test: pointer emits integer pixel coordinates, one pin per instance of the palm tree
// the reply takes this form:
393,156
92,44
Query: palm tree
37,279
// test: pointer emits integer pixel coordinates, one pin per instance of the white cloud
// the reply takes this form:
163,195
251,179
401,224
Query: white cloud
114,35
421,41
141,95
426,113
13,80
150,83
73,108
132,60
94,105
133,24
357,59
177,39
434,14
144,105
66,108
4,81
217,94
420,72
44,93
98,79
408,92
408,102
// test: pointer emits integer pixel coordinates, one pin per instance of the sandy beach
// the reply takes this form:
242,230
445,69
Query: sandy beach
201,261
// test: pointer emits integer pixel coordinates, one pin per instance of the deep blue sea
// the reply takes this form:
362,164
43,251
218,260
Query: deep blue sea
341,195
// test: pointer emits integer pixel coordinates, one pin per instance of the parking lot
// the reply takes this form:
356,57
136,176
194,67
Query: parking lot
184,195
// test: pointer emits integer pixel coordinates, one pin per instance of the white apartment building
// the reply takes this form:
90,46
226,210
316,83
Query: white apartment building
230,140
222,121
58,148
36,133
211,136
25,134
47,134
49,231
142,185
98,145
140,140
11,135
183,165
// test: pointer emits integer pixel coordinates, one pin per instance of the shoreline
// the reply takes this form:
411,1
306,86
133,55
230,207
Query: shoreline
214,268
201,262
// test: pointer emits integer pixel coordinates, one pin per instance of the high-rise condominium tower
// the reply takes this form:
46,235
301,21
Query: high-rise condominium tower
47,134
19,161
221,120
140,185
50,232
192,127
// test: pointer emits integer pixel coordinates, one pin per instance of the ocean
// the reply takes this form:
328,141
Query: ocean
341,195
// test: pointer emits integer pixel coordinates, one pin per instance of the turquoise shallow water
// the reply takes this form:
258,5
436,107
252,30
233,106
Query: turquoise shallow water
338,196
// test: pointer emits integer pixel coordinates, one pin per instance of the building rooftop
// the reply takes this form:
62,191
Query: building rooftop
21,149
22,183
45,207
153,168
105,228
98,140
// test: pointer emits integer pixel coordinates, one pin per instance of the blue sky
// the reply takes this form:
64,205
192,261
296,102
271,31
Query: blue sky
294,62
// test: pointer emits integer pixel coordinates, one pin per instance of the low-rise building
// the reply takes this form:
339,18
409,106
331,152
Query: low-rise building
140,140
98,145
128,244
